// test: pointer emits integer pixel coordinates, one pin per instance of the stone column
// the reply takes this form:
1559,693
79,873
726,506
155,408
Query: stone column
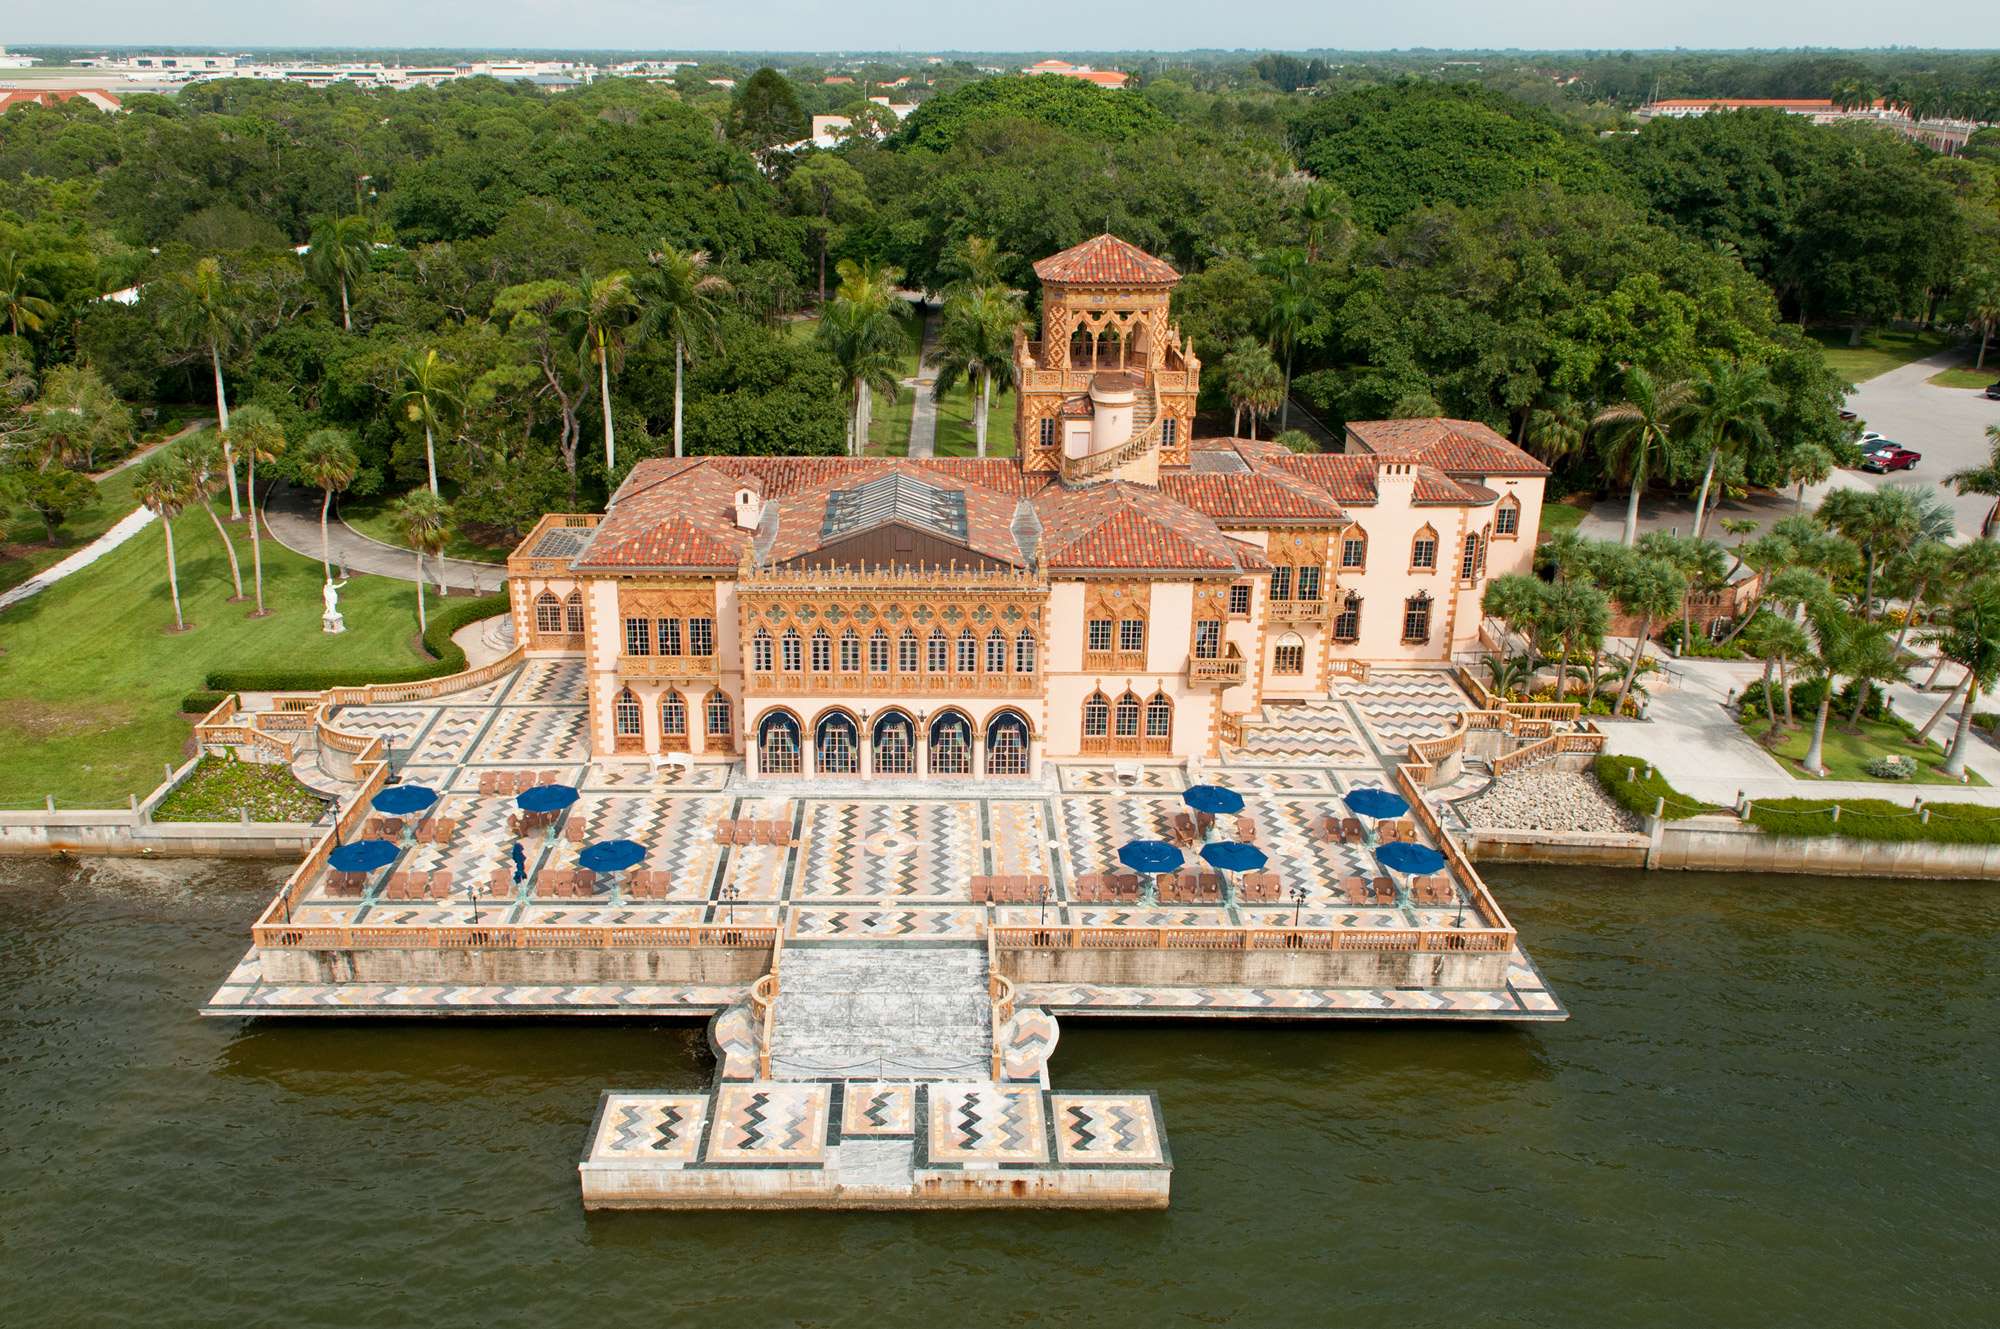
697,721
808,752
864,737
750,753
978,752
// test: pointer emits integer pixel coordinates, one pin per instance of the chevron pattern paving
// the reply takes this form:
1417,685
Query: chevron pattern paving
1084,778
871,1108
925,924
534,736
766,1121
398,726
986,1123
880,849
1106,1128
548,683
1302,731
1403,706
1019,833
1027,1043
660,1130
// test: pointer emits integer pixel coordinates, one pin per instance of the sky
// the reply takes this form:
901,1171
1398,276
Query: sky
917,26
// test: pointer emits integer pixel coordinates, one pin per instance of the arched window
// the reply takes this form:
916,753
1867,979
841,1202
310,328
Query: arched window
951,745
673,714
1125,717
778,744
1024,652
996,652
1417,619
760,651
548,613
1354,549
1046,434
1289,655
1424,550
1507,518
968,652
1096,716
1468,562
1159,718
1007,744
790,649
625,714
573,613
822,651
906,652
878,652
939,652
719,714
895,745
1347,623
850,651
835,750
1169,431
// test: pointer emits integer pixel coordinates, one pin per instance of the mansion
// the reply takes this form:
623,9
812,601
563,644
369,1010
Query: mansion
1119,588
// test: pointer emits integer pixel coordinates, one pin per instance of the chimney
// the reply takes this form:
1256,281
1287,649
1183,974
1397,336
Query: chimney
749,509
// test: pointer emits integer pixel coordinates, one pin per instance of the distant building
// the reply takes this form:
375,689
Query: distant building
98,97
837,80
10,61
722,83
1103,78
1946,136
830,131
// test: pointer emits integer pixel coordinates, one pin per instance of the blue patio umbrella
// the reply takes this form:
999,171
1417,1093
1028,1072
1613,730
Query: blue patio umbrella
1150,856
546,798
402,799
1414,859
1377,804
520,863
1213,799
363,856
1234,856
612,855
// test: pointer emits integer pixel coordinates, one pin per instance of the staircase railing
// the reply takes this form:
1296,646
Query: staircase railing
1096,465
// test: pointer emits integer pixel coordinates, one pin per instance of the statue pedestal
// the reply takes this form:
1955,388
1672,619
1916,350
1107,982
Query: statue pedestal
333,623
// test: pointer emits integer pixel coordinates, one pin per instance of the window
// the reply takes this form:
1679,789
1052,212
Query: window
1347,623
1048,433
1289,656
701,636
1024,652
1308,583
1100,634
1281,583
968,652
625,714
573,613
895,745
937,655
638,636
835,749
822,651
1007,745
670,636
778,744
720,718
1468,563
951,745
1485,541
1417,618
1507,518
1239,600
850,652
906,652
878,652
673,715
996,652
1131,635
1424,551
1159,716
1207,639
1125,717
789,645
1170,430
1354,550
1096,716
760,651
548,613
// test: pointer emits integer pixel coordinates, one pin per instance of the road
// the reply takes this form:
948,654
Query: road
291,515
923,404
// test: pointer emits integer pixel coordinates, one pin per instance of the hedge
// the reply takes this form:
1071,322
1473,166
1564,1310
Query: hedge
1878,819
1805,701
437,639
1641,793
201,703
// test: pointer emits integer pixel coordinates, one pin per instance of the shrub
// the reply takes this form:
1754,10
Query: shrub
1637,787
1805,701
220,788
1891,768
437,639
1878,819
201,703
1704,648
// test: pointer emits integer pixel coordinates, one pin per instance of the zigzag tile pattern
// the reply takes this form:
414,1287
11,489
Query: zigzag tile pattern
1019,835
449,740
906,850
925,924
871,1109
534,736
766,1121
1105,1128
1302,731
548,683
1403,706
397,726
660,1130
986,1123
1087,779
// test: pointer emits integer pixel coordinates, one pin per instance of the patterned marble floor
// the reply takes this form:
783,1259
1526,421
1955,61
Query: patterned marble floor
1403,706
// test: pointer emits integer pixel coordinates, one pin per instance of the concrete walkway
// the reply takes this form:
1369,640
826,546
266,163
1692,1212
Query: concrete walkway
923,405
291,515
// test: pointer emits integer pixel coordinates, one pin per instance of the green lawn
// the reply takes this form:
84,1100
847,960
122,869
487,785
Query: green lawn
91,678
1847,755
1560,517
24,547
954,425
1881,350
1965,376
372,517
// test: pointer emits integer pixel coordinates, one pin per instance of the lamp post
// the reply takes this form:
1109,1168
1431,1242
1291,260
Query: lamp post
1044,919
729,894
1298,903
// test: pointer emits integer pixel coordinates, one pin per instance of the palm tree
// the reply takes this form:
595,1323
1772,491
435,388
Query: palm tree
1983,480
682,300
862,328
599,313
341,250
259,437
1774,639
203,455
1807,464
1871,660
1699,562
1256,384
424,521
1832,629
1916,569
1732,411
976,343
1637,433
1293,309
166,487
1972,640
1555,430
76,415
1982,305
201,312
1878,521
1517,599
326,460
1650,588
1324,220
1575,614
428,399
20,298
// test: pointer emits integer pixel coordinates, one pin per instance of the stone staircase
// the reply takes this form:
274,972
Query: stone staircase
1145,406
497,634
854,1011
1309,731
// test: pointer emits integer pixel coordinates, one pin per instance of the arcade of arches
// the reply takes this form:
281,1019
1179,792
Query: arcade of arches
892,742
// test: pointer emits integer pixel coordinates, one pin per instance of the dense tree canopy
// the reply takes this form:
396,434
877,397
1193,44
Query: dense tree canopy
1071,105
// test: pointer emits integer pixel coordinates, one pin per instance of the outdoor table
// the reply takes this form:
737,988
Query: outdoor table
1408,859
546,801
363,856
400,800
1210,800
1231,857
1376,805
611,856
1150,857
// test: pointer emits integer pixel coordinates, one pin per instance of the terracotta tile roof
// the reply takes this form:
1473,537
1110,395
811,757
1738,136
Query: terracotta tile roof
682,515
989,518
1106,260
1460,447
1260,496
1122,526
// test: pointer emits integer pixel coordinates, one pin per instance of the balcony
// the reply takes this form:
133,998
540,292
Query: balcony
667,668
1227,669
1298,611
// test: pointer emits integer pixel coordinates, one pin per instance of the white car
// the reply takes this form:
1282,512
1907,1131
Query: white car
1870,436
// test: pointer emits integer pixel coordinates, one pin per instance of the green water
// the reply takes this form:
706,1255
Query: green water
1776,1104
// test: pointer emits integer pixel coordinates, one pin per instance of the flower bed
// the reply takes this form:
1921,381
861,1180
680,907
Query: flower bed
220,788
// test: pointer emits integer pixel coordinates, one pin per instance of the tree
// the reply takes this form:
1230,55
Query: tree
1972,640
77,417
1732,408
1878,521
258,436
1556,430
1636,434
1700,563
1575,614
201,312
21,300
424,521
164,487
531,313
51,494
1872,659
1072,106
1325,220
599,312
680,299
976,344
1981,304
1256,385
326,461
766,113
1651,589
1833,632
203,455
1808,464
1291,316
1983,480
1517,600
862,329
1775,639
830,194
341,251
429,397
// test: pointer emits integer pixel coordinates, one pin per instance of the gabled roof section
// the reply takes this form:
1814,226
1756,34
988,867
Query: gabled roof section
681,515
1126,527
899,496
1456,447
1105,260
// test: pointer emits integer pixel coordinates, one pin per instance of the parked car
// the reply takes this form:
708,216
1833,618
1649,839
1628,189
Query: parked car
1849,415
1894,457
1870,438
1993,391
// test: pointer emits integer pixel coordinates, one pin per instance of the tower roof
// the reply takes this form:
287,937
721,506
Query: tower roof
1106,261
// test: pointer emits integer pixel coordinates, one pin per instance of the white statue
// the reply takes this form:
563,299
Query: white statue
329,594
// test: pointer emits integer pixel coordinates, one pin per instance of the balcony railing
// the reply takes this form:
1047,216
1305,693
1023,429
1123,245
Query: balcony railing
1298,611
1228,669
658,667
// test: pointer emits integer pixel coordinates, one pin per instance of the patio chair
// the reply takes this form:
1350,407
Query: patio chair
576,831
441,884
486,782
1246,828
1384,890
1125,885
